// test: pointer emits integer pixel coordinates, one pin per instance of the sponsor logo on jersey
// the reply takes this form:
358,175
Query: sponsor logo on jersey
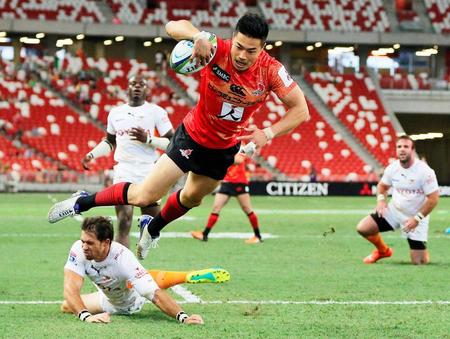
220,73
234,99
231,112
140,272
72,256
239,90
260,89
96,269
186,152
285,77
118,254
405,191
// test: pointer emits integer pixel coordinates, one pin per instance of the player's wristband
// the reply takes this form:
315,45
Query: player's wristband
269,133
149,139
419,217
201,35
181,316
84,314
381,197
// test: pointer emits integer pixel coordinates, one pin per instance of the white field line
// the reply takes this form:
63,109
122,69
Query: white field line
187,295
267,302
219,235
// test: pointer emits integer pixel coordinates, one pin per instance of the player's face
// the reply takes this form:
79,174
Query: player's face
245,51
93,248
404,150
137,89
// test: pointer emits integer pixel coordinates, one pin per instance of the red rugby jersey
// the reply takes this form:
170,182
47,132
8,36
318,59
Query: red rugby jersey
236,174
228,98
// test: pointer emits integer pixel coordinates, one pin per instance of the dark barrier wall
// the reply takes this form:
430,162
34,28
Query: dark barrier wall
289,188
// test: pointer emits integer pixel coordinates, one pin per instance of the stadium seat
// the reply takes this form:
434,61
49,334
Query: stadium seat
61,10
343,15
439,13
354,100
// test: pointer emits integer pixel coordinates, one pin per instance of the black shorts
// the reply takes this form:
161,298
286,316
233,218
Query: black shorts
233,189
383,225
191,156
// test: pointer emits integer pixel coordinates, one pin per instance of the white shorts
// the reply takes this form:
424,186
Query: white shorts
131,172
396,219
133,305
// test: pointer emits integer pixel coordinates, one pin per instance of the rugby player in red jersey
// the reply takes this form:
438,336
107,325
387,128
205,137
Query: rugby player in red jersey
233,86
235,184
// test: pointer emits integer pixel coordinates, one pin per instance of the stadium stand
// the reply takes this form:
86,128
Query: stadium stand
95,85
344,15
439,13
354,100
314,143
201,13
405,81
103,84
61,10
20,159
44,122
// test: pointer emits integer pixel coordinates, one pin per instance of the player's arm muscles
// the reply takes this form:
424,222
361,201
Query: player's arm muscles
297,113
181,30
430,203
72,288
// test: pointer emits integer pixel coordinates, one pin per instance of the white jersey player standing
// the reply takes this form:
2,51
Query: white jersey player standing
415,192
131,128
123,283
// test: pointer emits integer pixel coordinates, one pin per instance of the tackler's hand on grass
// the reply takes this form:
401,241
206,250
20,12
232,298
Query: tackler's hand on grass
99,318
194,319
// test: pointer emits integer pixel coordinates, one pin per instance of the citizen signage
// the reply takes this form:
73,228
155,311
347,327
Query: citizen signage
297,188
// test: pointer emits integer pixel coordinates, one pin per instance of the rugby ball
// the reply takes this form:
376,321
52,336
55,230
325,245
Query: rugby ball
180,57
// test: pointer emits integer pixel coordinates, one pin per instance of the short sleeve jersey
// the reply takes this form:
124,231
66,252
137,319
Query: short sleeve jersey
236,174
410,186
148,116
112,274
229,98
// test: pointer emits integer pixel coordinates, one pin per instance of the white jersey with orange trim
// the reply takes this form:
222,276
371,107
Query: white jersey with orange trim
123,118
112,274
410,186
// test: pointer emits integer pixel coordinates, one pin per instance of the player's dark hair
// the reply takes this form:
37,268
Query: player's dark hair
407,137
102,227
253,26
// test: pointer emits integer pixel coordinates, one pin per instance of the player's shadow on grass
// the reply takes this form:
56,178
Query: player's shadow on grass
146,314
408,263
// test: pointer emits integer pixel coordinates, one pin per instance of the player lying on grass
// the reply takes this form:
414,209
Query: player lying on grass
123,283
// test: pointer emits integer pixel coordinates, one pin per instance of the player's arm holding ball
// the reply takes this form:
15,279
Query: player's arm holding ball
185,30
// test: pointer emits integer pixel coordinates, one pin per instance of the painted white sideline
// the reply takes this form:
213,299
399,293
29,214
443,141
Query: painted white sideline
267,302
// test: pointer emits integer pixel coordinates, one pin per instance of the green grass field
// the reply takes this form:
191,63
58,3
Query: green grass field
278,289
